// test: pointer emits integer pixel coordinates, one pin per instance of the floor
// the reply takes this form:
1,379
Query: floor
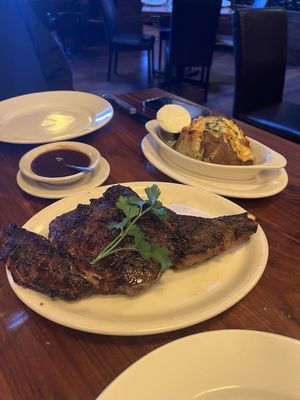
89,68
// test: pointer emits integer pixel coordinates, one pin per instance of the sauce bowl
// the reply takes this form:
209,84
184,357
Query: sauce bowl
27,160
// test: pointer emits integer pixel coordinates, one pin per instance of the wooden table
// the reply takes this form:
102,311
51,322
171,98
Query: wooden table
42,360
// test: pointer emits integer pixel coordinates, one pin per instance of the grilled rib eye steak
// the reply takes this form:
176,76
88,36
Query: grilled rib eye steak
198,239
84,231
189,239
60,266
35,263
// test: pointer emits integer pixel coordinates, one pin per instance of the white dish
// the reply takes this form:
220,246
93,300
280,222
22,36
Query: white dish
52,116
265,160
226,3
27,159
216,365
263,185
46,191
153,2
179,298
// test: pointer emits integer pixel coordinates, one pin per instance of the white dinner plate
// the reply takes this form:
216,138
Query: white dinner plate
49,191
226,3
154,2
179,298
52,116
216,365
264,185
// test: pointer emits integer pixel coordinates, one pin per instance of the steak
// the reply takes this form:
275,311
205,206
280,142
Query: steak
84,231
189,239
60,266
198,239
35,263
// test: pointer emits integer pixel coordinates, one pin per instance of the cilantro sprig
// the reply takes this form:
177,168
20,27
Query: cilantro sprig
133,209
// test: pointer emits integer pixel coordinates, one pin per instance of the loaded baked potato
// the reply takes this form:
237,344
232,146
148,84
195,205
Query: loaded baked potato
216,140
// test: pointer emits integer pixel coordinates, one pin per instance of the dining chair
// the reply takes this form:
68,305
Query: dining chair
164,36
91,25
193,33
260,48
226,40
125,40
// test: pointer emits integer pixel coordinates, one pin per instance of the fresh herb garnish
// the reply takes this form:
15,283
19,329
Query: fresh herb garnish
133,209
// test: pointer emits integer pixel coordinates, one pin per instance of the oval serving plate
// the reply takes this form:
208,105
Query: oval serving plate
180,298
266,159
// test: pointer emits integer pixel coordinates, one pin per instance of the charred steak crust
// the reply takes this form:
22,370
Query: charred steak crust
60,266
35,263
84,231
201,238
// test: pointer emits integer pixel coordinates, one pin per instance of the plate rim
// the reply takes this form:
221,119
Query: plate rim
147,140
160,3
182,341
83,132
171,326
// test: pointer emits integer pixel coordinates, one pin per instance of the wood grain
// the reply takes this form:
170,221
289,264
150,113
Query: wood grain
42,360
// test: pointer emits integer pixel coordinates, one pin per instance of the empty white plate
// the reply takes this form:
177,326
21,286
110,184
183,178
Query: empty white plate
217,365
52,116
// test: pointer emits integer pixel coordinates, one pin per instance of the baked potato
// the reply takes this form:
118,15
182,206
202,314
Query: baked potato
215,139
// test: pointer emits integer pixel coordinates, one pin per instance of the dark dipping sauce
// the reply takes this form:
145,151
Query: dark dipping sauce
52,163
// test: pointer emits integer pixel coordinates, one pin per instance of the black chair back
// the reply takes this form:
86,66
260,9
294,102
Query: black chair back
109,12
129,16
193,32
260,47
128,39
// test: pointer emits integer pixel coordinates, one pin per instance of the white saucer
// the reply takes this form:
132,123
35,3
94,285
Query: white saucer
46,191
265,185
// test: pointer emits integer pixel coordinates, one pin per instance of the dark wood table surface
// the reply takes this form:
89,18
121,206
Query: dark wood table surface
40,359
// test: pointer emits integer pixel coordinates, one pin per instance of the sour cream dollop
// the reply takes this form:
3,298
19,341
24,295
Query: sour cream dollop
172,118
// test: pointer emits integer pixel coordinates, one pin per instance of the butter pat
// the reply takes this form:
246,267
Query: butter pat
172,118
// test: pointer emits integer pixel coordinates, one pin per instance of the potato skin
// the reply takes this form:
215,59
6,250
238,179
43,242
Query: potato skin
206,145
216,151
